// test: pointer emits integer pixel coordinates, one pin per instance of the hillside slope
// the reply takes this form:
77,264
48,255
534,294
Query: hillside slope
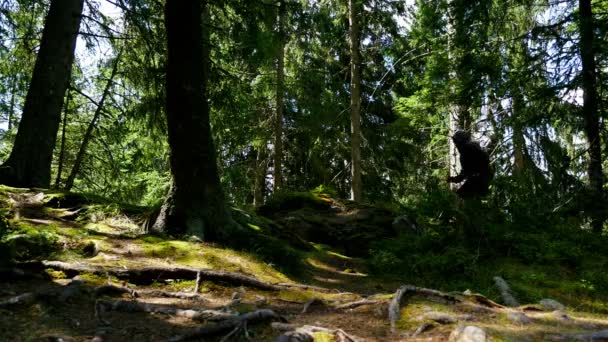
84,272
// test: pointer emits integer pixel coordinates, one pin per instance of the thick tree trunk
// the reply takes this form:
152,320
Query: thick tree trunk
356,192
69,183
195,203
278,125
591,115
29,164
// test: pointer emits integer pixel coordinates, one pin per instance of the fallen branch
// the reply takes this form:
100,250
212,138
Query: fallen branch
359,303
233,325
135,306
306,333
146,275
394,309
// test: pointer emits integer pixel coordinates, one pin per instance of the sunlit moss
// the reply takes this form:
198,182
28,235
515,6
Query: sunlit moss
323,337
254,227
54,274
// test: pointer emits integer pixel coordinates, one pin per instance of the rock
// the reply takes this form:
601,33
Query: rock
505,292
595,336
519,317
468,334
561,315
551,304
56,338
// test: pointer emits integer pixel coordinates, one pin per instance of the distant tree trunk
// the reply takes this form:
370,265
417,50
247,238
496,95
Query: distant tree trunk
519,142
195,203
62,150
278,125
261,167
458,111
11,109
29,164
69,183
591,114
356,192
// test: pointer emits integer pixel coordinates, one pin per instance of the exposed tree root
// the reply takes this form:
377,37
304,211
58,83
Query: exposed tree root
306,333
111,290
314,301
22,299
147,275
61,294
233,325
394,308
307,287
103,306
358,303
483,300
13,273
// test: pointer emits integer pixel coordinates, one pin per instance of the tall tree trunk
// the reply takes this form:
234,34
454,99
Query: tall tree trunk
278,124
519,142
591,114
195,203
11,109
62,148
356,187
29,164
261,167
458,111
69,183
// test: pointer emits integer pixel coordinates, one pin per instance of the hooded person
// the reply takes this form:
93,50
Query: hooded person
475,168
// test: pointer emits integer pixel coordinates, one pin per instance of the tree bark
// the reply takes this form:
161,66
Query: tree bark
591,115
29,164
356,192
195,203
278,125
69,183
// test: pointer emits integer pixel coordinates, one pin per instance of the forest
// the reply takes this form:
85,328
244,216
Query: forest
303,170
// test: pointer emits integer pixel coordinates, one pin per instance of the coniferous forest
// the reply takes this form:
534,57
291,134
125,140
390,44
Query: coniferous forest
303,170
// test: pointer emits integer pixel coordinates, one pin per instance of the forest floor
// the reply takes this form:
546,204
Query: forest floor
93,277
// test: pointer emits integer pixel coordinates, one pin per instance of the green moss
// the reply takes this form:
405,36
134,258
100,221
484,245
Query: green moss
54,274
282,201
27,242
95,279
323,337
152,239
